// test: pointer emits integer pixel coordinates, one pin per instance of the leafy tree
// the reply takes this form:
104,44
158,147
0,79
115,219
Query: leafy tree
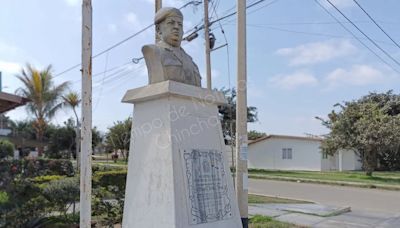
119,135
62,141
253,135
23,129
72,100
44,96
370,126
228,114
6,149
96,137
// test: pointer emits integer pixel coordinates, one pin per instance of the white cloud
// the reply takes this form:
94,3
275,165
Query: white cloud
73,2
358,75
133,20
294,80
311,53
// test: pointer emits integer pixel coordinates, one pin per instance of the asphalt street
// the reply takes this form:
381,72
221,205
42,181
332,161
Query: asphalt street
372,200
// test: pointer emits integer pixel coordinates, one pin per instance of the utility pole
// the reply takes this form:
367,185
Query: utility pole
86,130
241,115
207,39
158,6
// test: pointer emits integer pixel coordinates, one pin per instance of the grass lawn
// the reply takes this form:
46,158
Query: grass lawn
268,199
378,178
259,221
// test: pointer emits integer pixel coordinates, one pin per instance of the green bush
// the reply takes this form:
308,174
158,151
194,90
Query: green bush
62,193
3,197
114,178
105,167
6,149
45,179
109,194
36,167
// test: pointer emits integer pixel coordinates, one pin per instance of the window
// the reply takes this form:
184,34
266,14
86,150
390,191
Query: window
324,155
287,153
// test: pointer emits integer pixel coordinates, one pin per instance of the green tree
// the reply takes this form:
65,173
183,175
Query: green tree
118,137
44,96
253,135
6,149
228,114
97,138
62,141
72,100
370,126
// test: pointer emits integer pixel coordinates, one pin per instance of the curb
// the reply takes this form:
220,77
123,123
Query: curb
337,183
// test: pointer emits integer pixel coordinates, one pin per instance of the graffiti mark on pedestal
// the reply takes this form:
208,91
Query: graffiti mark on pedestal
208,189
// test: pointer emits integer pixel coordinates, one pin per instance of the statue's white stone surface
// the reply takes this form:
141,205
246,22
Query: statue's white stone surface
178,175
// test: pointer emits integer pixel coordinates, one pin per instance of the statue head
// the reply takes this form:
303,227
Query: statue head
169,25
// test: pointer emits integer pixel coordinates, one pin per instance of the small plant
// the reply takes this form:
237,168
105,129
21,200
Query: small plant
6,149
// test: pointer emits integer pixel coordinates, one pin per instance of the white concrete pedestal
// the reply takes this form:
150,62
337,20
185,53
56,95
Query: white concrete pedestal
178,175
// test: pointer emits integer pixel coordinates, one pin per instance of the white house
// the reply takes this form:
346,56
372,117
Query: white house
282,152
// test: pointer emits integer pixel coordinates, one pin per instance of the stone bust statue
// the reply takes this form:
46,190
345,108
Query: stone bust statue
167,60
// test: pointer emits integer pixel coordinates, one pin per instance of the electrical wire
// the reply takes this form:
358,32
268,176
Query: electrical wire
359,40
372,19
118,43
371,40
308,33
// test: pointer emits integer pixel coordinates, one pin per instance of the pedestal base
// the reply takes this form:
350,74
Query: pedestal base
178,175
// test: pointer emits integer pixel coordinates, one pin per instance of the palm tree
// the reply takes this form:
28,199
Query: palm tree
72,100
44,96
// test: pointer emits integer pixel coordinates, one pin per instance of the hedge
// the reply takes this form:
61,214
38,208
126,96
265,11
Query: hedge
114,178
37,167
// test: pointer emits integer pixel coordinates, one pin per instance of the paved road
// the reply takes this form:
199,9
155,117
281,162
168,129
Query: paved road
373,200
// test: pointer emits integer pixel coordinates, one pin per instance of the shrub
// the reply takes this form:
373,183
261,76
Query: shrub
62,193
6,149
105,167
110,178
109,192
44,179
36,167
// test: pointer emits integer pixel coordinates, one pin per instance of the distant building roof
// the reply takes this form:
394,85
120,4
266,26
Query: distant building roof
10,101
286,137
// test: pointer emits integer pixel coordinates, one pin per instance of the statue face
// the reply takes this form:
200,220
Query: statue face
171,31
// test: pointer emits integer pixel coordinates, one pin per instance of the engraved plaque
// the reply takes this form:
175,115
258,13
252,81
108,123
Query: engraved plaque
208,196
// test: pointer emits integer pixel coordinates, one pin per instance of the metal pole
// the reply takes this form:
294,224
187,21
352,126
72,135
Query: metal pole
86,130
241,115
158,6
207,39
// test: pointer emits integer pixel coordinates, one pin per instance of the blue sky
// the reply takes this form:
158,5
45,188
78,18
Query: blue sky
300,61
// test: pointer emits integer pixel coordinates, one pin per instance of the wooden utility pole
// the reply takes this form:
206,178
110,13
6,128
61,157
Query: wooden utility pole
241,115
86,130
207,39
158,6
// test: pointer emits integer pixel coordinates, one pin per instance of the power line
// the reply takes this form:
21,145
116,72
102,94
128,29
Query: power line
376,23
231,14
108,49
359,40
120,42
371,40
308,33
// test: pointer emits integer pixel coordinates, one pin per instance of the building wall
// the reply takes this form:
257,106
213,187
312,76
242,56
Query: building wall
267,154
348,160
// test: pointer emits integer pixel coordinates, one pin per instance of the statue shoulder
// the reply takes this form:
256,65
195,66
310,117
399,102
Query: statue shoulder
150,49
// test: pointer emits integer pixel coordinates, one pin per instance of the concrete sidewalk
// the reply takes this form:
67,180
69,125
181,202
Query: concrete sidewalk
310,215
